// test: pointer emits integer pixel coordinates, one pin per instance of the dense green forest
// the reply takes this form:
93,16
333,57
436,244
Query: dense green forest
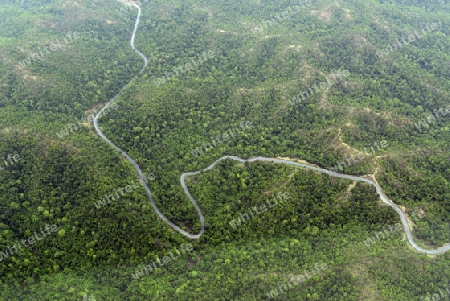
401,98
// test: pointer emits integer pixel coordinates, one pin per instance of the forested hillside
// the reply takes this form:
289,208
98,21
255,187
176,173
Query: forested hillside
361,87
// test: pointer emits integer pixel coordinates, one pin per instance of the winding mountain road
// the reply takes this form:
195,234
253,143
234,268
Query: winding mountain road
383,197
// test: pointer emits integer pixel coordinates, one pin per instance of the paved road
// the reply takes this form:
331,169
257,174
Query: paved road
142,178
